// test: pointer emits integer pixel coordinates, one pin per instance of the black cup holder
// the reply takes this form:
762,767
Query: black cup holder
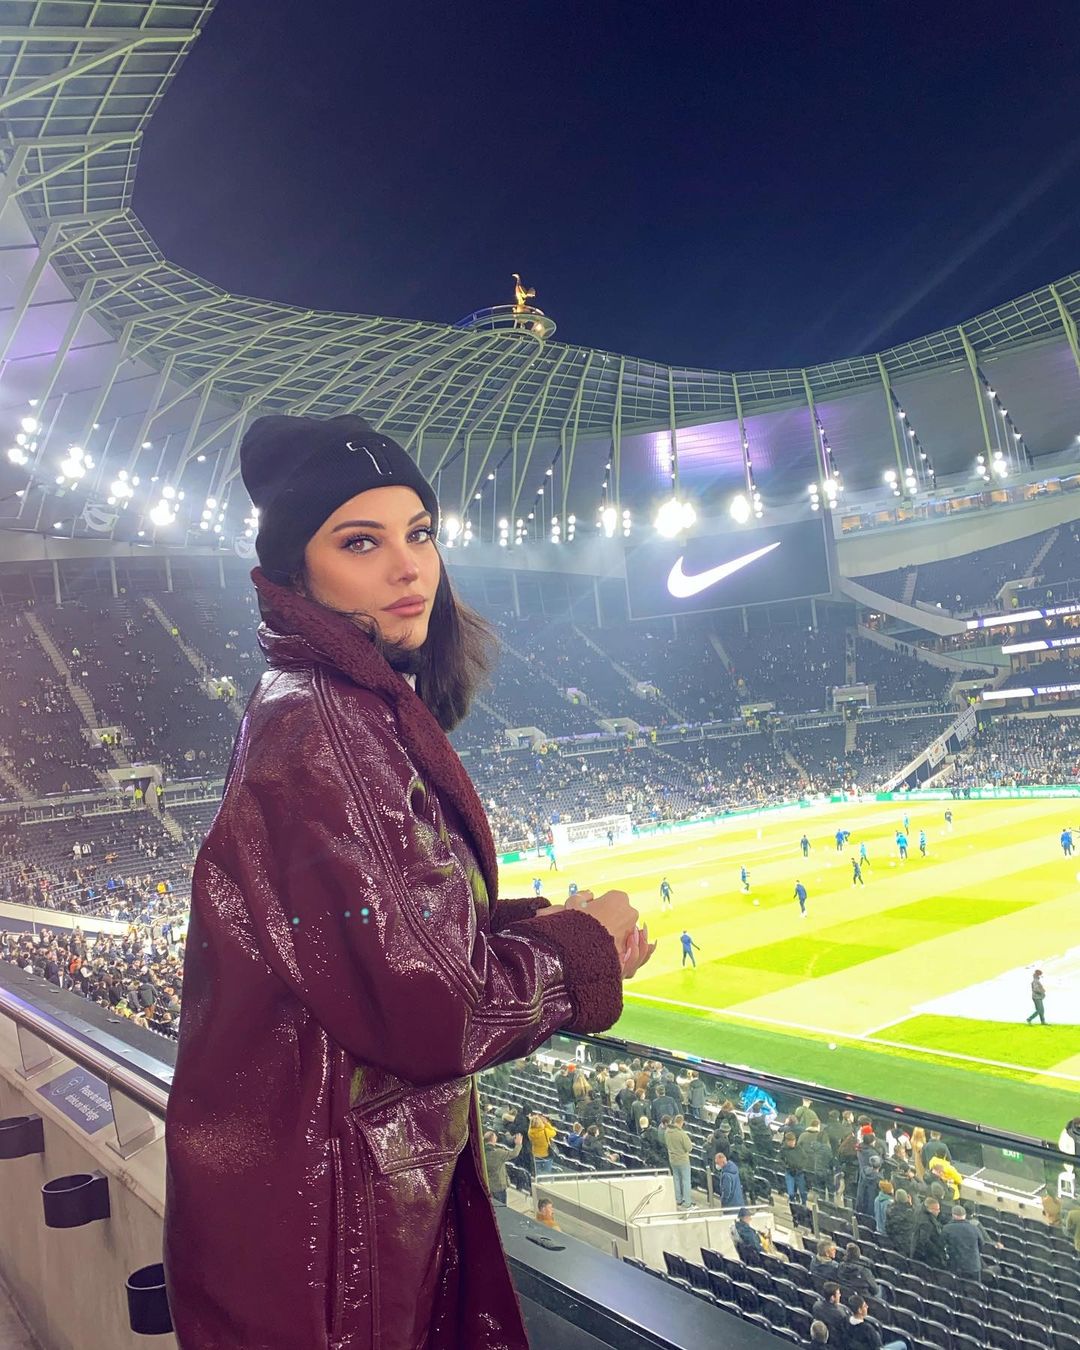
21,1136
148,1307
72,1201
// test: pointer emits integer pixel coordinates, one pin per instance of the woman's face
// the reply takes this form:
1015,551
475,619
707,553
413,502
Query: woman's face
377,554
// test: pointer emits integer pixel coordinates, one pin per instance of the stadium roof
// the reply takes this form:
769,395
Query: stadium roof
150,364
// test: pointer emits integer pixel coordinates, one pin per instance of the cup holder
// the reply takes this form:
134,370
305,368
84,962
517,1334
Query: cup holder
73,1201
148,1306
21,1136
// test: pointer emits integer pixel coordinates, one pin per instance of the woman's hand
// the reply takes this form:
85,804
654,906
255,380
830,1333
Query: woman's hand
615,913
637,950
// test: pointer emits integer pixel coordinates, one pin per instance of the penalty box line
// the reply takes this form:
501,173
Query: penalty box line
862,1038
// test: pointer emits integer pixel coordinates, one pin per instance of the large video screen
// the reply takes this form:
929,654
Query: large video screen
728,568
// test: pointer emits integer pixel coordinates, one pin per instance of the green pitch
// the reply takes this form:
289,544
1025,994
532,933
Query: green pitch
841,997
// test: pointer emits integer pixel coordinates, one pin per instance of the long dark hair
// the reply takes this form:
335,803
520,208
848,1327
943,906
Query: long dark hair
455,660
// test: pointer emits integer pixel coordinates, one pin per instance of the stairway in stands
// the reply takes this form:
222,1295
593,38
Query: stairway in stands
78,694
1040,556
197,663
907,595
630,678
22,790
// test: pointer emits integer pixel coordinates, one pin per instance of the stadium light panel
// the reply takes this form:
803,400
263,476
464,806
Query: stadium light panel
739,509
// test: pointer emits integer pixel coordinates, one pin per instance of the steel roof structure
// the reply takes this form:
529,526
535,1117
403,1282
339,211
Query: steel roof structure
120,349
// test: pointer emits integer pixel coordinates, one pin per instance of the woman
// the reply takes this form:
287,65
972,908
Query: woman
349,963
918,1143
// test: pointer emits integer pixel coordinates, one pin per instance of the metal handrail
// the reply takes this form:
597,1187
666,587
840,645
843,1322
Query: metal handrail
82,1051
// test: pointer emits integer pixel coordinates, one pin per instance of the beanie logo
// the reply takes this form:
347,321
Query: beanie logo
349,446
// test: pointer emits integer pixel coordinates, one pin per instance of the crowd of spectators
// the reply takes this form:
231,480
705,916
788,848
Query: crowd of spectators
1015,752
898,675
138,974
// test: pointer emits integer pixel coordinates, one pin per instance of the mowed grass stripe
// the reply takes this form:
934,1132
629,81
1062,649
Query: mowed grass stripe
1039,1046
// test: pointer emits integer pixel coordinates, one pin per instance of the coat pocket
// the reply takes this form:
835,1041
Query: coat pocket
422,1126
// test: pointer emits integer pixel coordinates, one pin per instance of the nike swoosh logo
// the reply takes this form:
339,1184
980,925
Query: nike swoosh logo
683,587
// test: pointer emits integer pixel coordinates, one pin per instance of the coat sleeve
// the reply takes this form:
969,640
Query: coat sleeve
369,918
507,912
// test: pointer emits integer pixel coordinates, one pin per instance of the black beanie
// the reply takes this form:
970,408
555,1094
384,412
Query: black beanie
299,470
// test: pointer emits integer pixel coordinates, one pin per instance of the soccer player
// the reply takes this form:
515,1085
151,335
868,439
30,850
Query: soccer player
744,877
1067,842
856,873
864,857
800,895
611,838
948,819
665,894
553,866
922,842
907,823
1038,993
538,886
689,946
804,844
901,844
839,841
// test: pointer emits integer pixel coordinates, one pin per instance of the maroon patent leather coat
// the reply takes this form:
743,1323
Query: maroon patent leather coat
348,968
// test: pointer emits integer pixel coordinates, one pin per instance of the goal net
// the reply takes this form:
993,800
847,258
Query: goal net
572,835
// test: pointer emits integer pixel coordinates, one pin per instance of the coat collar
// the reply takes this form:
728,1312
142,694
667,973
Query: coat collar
297,631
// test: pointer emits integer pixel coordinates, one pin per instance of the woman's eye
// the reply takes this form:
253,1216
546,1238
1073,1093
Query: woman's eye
360,539
424,534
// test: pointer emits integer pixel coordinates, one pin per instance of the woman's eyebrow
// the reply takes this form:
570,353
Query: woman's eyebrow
374,524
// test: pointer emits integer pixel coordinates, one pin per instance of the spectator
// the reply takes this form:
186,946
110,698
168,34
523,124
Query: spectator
575,1138
819,1333
935,1147
964,1242
726,1182
680,1148
943,1171
829,1310
496,1156
744,1233
794,1160
881,1205
855,1276
661,1106
927,1240
696,1097
900,1221
653,1148
862,1334
545,1213
541,1136
592,1149
823,1265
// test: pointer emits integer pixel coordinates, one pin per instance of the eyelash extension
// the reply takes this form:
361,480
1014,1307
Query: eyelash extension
356,538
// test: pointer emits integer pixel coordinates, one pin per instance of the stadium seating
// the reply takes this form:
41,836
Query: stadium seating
1017,751
899,677
138,678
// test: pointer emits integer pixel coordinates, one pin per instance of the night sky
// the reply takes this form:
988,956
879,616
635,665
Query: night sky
733,186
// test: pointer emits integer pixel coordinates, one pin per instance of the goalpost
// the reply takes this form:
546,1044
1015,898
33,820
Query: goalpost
572,835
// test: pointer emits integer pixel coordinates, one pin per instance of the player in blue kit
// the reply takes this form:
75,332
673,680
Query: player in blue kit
864,857
901,844
538,885
665,894
689,946
1067,842
840,836
800,895
922,842
804,844
856,873
744,878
